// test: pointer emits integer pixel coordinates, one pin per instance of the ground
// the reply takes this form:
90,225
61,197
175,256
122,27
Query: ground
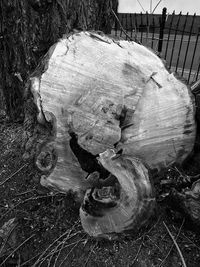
46,230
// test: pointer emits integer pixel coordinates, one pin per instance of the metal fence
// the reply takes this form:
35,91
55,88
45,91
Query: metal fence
176,38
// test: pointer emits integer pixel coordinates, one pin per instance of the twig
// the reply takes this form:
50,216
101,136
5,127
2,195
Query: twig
154,225
26,200
24,193
50,259
55,250
176,245
44,252
138,252
40,258
4,243
71,250
147,232
17,249
179,231
13,174
141,6
121,25
59,252
25,263
191,241
153,243
91,250
63,243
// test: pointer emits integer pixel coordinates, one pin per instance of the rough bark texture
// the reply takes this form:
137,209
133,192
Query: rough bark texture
29,28
94,94
188,201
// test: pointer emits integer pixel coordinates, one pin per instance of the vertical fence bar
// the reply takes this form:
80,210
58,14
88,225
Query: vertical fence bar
169,34
153,32
147,31
195,47
182,36
136,28
126,16
186,52
131,25
174,41
122,21
141,16
162,27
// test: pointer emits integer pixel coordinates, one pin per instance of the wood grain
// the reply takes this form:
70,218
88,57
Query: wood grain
92,79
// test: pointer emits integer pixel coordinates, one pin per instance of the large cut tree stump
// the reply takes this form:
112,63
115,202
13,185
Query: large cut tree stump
97,94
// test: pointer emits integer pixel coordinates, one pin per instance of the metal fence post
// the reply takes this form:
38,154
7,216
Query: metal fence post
162,27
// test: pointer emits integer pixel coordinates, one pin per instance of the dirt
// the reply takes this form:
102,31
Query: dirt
46,229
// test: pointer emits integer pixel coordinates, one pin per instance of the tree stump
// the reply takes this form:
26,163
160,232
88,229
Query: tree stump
97,94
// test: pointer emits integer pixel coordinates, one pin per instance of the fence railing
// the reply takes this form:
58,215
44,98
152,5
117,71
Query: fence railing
176,38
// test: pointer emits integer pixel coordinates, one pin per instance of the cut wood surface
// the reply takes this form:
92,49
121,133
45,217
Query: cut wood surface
127,205
117,93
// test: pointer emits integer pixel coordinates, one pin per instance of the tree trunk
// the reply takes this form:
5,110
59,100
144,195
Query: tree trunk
29,28
105,103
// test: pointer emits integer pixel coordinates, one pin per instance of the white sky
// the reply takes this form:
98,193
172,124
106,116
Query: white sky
191,6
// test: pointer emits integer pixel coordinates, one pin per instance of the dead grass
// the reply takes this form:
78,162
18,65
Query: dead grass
49,232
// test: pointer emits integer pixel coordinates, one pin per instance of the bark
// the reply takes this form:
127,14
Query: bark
188,202
94,94
29,28
182,195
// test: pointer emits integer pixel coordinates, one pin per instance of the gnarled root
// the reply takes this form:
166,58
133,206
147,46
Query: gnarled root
47,158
